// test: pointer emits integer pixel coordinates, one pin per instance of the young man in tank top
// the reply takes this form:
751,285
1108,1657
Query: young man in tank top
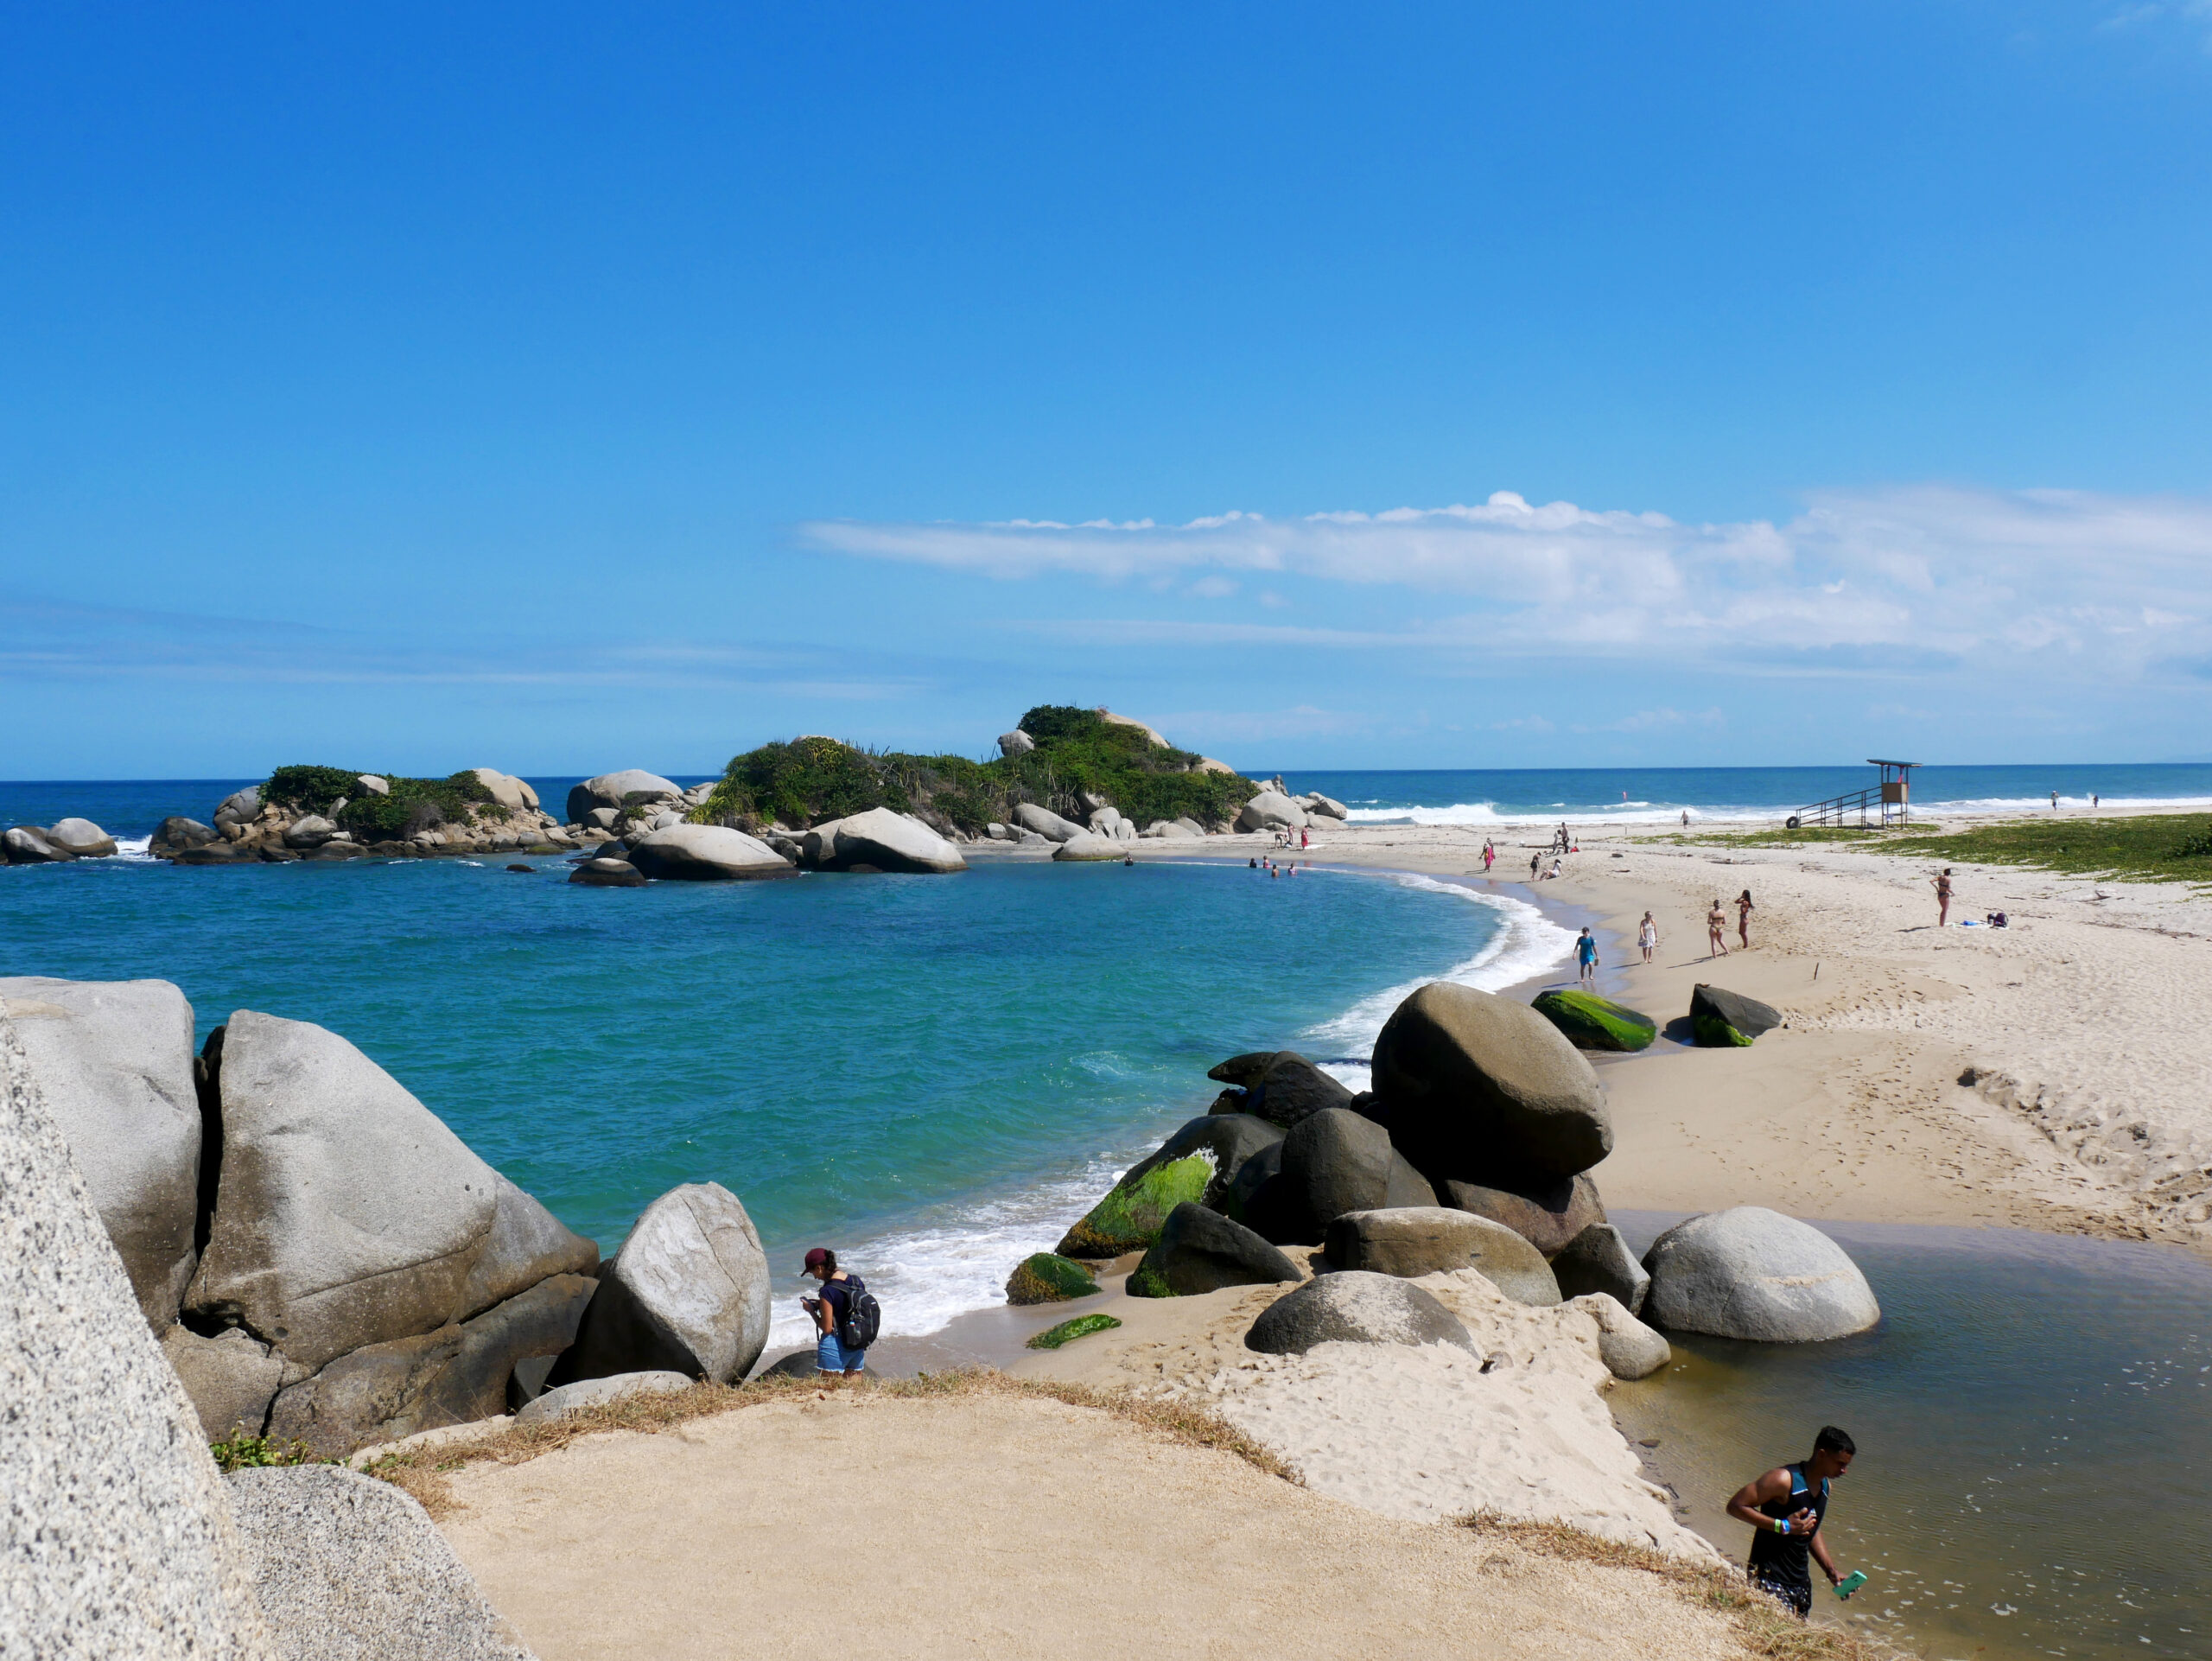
1786,1507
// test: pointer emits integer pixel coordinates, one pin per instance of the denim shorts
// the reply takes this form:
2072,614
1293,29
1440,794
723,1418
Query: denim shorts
831,1356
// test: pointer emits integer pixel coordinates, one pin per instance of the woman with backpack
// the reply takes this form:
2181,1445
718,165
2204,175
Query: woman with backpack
845,1314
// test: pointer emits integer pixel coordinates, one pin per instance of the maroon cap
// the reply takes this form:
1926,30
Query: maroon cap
814,1258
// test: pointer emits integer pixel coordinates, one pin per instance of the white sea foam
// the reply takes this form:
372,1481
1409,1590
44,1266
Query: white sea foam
1487,814
958,1261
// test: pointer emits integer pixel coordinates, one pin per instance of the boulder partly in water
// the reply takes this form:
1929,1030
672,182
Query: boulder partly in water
81,838
1355,1308
1410,1241
1088,845
1477,1087
1200,1251
1751,1273
613,790
1628,1348
881,840
1598,1260
707,853
607,873
1723,1020
1590,1022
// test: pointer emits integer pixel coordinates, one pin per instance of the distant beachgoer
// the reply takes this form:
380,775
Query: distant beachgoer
1943,898
1305,837
1275,870
1585,954
1129,859
1744,909
1536,865
2096,800
831,1313
1490,856
1647,936
1787,1507
1686,819
1554,869
1253,862
1716,928
2054,801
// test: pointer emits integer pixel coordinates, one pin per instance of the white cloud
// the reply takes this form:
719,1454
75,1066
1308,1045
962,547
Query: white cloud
1924,574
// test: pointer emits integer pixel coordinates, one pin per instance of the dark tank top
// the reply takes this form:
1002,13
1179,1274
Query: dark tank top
1782,1557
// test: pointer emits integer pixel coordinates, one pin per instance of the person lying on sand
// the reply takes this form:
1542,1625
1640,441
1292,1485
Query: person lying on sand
1787,1507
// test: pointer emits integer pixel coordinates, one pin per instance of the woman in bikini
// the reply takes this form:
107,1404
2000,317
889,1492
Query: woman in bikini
1744,909
1716,928
1943,898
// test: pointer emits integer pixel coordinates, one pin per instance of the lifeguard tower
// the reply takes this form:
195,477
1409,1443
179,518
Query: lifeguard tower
1891,801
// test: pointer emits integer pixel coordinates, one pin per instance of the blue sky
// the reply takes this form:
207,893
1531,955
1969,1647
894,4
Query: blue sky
561,388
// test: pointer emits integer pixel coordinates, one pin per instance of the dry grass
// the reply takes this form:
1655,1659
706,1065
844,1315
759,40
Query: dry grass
1766,1628
423,1473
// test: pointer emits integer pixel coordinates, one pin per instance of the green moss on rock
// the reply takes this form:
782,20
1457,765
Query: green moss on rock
1714,1034
1129,1218
1149,1282
1591,1023
1045,1277
1081,1326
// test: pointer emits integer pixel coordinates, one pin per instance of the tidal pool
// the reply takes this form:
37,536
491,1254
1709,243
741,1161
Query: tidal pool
2034,1422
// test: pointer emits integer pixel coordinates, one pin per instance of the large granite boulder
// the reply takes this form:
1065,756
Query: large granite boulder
1046,823
239,807
527,1244
347,1213
177,835
118,1539
1047,1277
231,1379
564,1399
1355,1308
1200,1251
1247,1186
82,839
1590,1022
881,840
1228,1139
1410,1241
1326,807
1598,1260
1725,1020
512,793
687,1292
311,830
608,872
1752,1273
1088,845
350,1569
1271,811
1333,1162
1016,743
613,790
1134,1210
1280,1086
456,1375
1484,1089
707,853
1628,1348
113,1061
1547,1218
27,845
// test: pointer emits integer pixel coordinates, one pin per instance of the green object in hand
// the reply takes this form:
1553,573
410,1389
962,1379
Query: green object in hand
1851,1583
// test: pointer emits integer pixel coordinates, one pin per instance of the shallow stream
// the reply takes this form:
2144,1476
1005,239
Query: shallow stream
2034,1422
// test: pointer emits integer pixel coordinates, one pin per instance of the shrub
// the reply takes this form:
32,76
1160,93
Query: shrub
413,804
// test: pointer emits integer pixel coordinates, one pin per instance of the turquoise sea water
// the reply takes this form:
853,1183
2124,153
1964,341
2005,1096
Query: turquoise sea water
936,1074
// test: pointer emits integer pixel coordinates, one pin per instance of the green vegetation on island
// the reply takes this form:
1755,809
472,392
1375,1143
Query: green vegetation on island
808,780
409,805
1081,1326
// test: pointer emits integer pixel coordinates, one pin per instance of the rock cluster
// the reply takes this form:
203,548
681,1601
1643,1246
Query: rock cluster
248,828
320,1258
56,843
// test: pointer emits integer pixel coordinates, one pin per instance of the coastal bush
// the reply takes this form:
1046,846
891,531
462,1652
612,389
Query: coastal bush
1130,1218
243,1453
412,804
1081,1326
808,780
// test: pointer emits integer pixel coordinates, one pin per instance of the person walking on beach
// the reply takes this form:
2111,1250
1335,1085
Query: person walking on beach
1585,954
1787,1507
1943,898
1716,929
1489,854
1647,936
1535,864
1744,909
834,1316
